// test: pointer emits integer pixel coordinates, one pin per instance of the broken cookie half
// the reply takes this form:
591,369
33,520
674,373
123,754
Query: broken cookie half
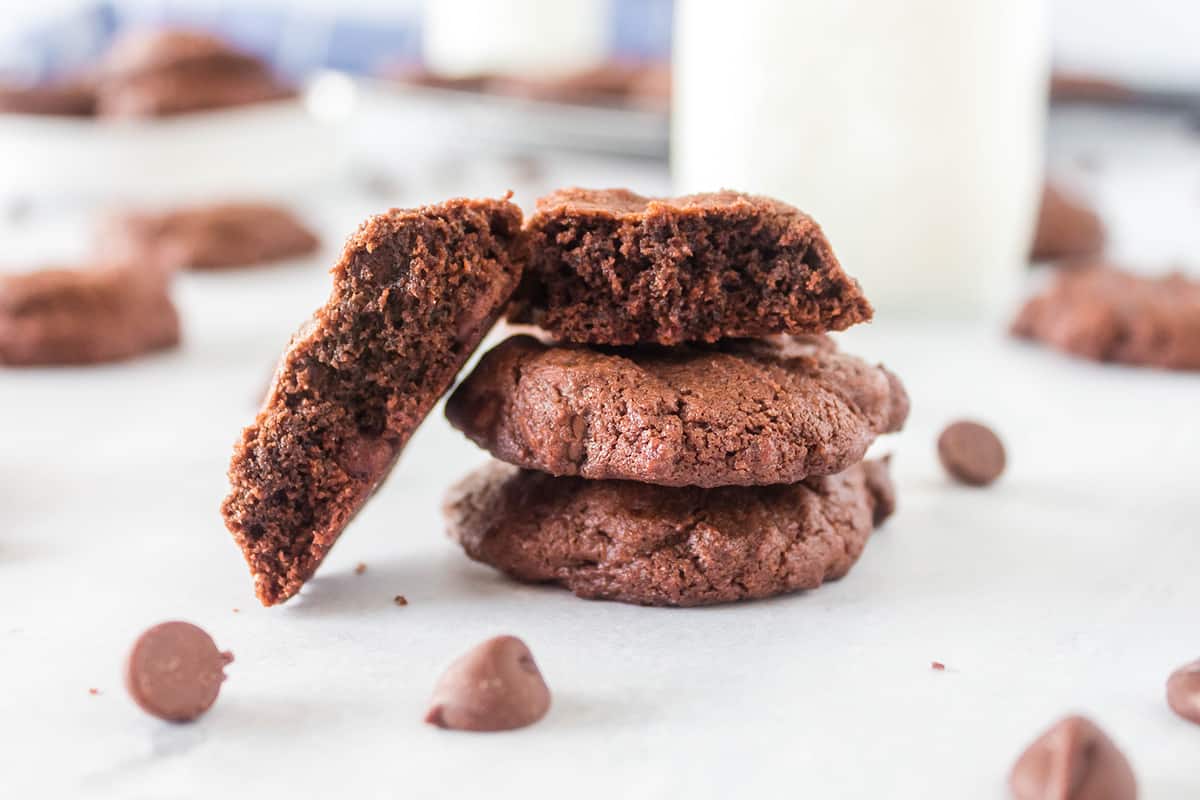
413,294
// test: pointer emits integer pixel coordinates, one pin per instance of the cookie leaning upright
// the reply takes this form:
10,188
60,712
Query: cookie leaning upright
686,439
609,266
413,294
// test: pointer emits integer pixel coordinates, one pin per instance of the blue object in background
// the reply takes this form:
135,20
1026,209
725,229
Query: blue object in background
642,29
295,42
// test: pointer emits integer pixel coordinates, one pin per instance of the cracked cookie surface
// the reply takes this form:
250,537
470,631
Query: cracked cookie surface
656,545
739,413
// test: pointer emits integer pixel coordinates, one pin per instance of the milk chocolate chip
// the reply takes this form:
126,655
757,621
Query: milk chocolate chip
971,453
1074,760
1183,691
175,671
494,687
366,457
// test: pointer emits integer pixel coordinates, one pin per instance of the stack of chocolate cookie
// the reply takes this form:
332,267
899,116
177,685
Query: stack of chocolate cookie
681,432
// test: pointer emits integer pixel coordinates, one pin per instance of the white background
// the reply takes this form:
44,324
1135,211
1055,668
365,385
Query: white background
1069,586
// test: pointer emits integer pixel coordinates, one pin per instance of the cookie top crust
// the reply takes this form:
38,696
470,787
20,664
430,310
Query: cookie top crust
743,412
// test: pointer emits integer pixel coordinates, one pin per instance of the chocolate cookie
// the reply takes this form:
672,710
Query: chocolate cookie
74,98
1105,314
613,267
1066,228
743,412
144,50
208,237
87,315
654,545
157,73
613,83
167,95
413,294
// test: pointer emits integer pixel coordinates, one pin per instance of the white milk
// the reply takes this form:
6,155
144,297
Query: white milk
910,129
467,37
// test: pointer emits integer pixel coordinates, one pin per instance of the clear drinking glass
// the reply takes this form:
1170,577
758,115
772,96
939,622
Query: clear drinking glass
911,131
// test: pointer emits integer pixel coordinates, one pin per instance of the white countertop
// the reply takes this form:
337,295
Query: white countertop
1069,586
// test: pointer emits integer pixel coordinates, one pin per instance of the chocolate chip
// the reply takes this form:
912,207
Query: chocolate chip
1074,760
574,445
365,457
400,600
971,453
360,568
1183,691
175,671
494,687
479,313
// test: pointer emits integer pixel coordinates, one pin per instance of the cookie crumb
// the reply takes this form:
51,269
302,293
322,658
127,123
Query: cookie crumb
236,610
360,568
93,692
400,600
937,665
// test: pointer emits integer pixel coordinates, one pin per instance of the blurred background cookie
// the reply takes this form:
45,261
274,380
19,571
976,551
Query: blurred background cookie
156,73
207,237
85,315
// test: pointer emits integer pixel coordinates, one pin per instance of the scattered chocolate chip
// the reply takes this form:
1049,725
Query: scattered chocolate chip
1074,760
937,665
236,610
360,568
971,453
1183,691
494,687
400,600
175,671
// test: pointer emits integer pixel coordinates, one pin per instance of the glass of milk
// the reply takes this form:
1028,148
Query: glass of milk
911,131
514,37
